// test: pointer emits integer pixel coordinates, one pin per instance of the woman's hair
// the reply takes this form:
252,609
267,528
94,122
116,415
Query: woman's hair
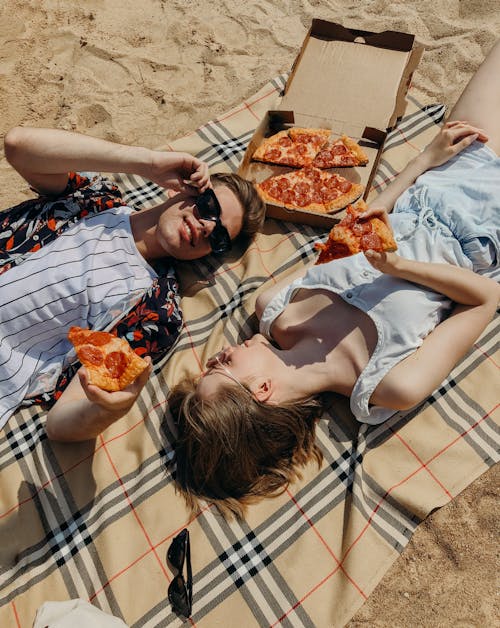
233,449
253,206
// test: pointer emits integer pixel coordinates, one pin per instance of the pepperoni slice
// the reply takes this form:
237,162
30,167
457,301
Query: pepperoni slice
330,194
98,338
272,154
77,336
338,149
285,141
116,363
90,355
344,186
313,174
283,183
371,241
288,197
301,149
362,228
302,187
349,219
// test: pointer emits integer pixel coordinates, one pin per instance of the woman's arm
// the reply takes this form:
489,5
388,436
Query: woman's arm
450,140
414,379
45,156
83,411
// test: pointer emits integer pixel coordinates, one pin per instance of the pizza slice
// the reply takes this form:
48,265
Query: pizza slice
343,152
352,235
309,189
296,147
110,361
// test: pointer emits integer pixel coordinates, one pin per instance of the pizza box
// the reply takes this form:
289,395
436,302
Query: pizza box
350,81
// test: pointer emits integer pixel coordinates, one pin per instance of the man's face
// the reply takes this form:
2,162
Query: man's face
184,235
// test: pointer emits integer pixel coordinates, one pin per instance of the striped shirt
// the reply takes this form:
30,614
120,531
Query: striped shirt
89,276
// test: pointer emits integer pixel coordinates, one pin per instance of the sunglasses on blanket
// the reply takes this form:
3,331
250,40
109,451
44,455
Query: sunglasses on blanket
209,209
180,591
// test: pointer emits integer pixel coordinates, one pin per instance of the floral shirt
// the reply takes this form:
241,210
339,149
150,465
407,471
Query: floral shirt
154,323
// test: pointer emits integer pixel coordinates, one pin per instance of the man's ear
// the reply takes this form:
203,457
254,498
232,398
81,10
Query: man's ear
263,390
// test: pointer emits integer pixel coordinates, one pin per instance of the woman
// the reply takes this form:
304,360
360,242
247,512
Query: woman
381,329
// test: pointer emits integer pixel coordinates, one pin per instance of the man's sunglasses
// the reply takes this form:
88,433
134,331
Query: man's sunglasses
180,591
209,209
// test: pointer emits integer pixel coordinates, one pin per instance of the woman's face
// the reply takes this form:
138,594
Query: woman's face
240,364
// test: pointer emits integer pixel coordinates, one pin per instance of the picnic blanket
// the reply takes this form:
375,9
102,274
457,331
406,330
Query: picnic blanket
94,520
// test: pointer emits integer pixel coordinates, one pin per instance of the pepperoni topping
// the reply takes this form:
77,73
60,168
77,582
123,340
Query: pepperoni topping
116,363
371,241
288,197
302,199
285,141
77,336
338,149
272,154
90,355
349,219
313,174
283,183
330,194
362,228
98,338
301,149
344,186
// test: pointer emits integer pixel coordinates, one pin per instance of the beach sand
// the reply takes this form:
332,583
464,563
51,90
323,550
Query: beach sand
147,72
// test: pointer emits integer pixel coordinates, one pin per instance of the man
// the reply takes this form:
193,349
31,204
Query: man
78,256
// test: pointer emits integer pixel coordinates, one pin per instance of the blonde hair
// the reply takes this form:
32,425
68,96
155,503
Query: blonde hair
233,450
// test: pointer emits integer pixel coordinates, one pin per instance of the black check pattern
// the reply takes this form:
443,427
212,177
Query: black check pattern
94,520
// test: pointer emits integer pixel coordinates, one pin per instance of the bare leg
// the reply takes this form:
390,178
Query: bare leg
479,103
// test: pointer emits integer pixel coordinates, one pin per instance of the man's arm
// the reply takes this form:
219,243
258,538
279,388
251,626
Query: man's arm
83,411
450,140
45,156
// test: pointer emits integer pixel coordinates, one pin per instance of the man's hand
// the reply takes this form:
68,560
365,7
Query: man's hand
118,403
179,172
453,137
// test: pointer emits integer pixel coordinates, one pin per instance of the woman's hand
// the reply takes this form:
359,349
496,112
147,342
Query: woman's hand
376,212
453,137
180,172
386,263
118,403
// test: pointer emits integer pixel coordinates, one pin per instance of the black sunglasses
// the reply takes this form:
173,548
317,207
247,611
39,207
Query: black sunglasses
180,591
209,209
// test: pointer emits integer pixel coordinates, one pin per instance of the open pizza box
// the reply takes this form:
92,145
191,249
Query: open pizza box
350,81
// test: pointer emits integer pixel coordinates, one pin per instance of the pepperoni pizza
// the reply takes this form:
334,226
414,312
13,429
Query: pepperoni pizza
110,361
340,153
309,189
353,235
299,147
296,147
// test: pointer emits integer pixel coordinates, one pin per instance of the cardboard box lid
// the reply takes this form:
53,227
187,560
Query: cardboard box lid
351,78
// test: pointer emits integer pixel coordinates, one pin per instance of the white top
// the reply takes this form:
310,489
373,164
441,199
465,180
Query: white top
89,276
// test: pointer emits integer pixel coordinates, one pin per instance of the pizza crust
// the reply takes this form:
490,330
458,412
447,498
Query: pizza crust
110,361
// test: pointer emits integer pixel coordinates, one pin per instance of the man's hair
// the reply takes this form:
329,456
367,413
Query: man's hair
233,450
254,207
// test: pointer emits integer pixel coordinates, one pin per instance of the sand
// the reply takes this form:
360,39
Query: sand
148,72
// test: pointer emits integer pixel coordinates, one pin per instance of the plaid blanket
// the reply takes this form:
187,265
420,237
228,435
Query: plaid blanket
94,520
